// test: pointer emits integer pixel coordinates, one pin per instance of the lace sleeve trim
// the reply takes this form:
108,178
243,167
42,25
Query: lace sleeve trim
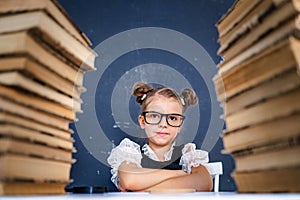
192,157
127,151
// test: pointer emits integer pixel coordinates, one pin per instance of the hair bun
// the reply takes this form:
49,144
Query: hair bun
140,90
189,97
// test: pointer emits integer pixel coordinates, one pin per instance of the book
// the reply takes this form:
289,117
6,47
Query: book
11,130
20,167
22,43
272,61
286,30
9,118
43,58
277,85
244,18
16,79
9,144
29,67
36,102
268,22
35,115
46,30
258,86
283,105
52,8
276,180
234,15
261,134
31,188
282,154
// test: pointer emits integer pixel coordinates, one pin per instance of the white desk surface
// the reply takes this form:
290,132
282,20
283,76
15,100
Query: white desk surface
145,196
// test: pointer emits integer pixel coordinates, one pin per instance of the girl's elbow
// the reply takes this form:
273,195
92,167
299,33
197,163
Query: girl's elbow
127,182
209,185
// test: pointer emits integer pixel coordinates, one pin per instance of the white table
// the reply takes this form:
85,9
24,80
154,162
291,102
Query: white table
145,196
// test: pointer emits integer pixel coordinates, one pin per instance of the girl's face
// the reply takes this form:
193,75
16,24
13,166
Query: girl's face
162,134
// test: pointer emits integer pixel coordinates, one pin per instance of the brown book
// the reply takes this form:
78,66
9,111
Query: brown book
277,85
248,17
234,15
51,7
262,133
10,130
8,118
269,63
20,167
47,30
16,79
34,101
31,188
272,156
22,43
277,180
268,23
36,115
286,30
25,147
279,106
30,68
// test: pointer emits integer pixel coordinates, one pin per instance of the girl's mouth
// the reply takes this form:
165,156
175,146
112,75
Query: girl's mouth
162,133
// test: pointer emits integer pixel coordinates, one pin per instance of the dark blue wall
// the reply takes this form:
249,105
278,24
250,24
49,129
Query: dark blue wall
104,19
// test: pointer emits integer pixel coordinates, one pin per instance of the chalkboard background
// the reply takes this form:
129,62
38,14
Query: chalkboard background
164,42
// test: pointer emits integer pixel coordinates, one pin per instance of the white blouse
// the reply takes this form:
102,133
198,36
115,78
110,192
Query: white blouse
130,152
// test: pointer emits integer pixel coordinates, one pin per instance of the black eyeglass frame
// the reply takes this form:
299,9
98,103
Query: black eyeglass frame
162,115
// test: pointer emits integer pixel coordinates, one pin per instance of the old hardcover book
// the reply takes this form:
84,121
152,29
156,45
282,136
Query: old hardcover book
234,15
269,63
31,188
16,79
21,167
265,111
250,17
276,180
261,134
9,118
11,130
282,154
269,22
36,102
277,85
22,43
9,144
47,30
51,7
35,70
33,114
286,30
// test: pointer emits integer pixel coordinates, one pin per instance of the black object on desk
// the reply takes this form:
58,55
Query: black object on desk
87,189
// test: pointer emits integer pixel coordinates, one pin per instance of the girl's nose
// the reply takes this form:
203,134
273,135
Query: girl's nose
163,122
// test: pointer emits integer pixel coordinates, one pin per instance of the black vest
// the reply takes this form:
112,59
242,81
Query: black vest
172,164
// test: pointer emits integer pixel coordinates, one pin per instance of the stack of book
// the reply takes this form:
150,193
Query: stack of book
43,57
258,85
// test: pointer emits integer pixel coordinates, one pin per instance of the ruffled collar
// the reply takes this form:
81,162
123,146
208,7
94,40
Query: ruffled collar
150,153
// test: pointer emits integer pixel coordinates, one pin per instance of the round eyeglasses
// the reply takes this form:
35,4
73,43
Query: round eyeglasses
154,118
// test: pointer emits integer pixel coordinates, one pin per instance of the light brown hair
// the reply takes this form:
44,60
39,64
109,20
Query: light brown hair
144,92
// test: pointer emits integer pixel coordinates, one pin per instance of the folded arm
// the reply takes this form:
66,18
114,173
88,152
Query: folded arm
135,178
143,179
199,179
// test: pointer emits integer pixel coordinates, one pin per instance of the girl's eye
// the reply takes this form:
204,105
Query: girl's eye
154,116
173,118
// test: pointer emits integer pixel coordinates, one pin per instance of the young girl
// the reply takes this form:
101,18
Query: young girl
160,164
